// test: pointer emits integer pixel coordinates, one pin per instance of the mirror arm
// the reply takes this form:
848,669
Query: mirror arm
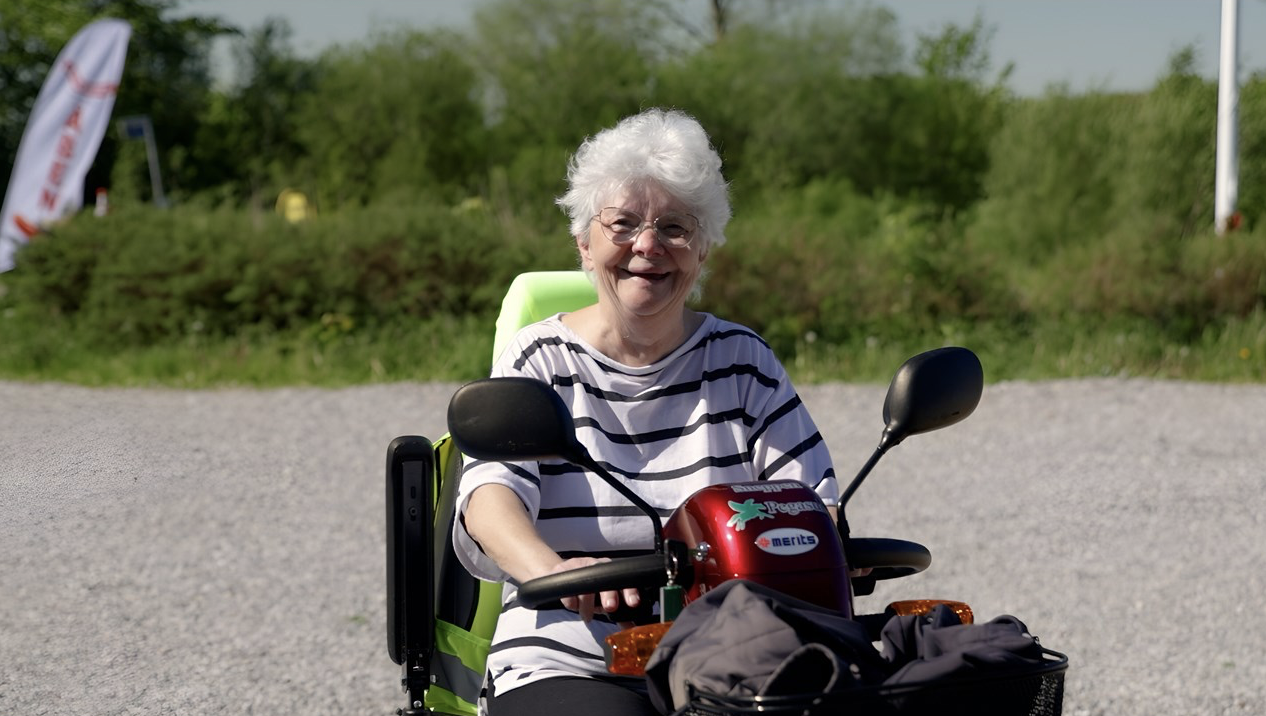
587,462
861,474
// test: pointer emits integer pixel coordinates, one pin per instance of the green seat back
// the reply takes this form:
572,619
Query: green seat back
536,296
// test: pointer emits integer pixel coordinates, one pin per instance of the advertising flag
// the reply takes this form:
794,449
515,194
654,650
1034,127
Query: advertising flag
63,134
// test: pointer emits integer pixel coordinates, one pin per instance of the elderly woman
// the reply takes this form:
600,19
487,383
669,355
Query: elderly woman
669,399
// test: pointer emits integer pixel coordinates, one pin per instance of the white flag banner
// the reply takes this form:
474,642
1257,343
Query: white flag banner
63,134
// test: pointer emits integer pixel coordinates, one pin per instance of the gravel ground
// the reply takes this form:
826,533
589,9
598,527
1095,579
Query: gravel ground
222,551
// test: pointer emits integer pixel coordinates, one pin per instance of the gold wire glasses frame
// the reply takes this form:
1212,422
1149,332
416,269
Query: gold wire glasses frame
622,227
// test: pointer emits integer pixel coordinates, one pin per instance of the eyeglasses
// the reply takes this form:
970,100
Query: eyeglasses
622,227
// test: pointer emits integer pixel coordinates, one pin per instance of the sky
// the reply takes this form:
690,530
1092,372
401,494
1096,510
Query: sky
1118,45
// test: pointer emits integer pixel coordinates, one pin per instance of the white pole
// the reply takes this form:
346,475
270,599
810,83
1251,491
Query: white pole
151,155
1227,186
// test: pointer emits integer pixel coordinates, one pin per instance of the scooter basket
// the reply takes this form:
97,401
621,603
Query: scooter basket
1038,691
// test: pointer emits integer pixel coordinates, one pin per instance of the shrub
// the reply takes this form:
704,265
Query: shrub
144,275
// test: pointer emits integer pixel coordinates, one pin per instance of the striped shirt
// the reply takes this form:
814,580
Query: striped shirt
719,409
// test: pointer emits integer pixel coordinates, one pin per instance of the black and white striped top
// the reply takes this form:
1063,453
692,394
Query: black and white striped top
719,409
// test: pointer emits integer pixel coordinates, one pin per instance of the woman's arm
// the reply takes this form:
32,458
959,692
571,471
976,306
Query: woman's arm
498,521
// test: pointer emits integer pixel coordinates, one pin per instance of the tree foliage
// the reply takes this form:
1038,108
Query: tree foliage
247,138
792,100
790,95
397,116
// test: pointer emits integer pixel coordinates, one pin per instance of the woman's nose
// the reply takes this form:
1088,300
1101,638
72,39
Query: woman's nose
647,241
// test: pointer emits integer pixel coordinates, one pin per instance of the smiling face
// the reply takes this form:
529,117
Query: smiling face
643,278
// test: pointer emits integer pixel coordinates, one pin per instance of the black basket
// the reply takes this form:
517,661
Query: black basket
1038,691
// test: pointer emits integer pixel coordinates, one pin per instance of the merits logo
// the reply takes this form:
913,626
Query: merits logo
787,541
745,512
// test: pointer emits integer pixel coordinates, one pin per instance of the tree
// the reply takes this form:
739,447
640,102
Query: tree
793,99
248,139
400,113
555,72
950,113
559,70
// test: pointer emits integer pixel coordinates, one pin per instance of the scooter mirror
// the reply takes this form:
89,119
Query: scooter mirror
512,419
930,391
521,419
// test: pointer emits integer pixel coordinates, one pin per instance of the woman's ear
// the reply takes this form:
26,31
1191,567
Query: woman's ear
582,246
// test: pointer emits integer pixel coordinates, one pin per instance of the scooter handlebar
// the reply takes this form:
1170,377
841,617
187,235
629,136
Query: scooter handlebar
642,572
889,558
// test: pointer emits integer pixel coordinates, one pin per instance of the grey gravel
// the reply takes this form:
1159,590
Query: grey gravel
194,552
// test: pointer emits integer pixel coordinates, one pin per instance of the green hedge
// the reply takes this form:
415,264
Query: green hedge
846,270
143,276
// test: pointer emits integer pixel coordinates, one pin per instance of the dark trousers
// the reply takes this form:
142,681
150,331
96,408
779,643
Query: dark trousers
570,696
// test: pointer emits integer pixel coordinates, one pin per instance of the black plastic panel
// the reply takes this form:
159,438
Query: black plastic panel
410,569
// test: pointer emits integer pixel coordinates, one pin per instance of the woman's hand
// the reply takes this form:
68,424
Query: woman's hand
606,602
498,521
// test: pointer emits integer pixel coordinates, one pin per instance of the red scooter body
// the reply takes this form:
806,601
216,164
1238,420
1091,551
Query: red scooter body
776,533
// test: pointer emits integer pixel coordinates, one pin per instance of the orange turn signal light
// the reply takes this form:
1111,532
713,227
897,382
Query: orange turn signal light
632,648
923,606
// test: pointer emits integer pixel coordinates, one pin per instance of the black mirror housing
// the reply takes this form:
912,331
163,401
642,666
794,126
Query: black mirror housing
522,419
930,391
512,419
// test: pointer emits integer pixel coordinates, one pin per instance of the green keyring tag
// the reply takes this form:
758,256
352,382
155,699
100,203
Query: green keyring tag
671,602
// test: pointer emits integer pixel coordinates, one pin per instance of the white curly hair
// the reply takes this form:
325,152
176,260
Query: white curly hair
666,147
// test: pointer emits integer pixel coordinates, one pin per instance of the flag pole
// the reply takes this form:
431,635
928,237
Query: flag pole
1226,187
155,175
